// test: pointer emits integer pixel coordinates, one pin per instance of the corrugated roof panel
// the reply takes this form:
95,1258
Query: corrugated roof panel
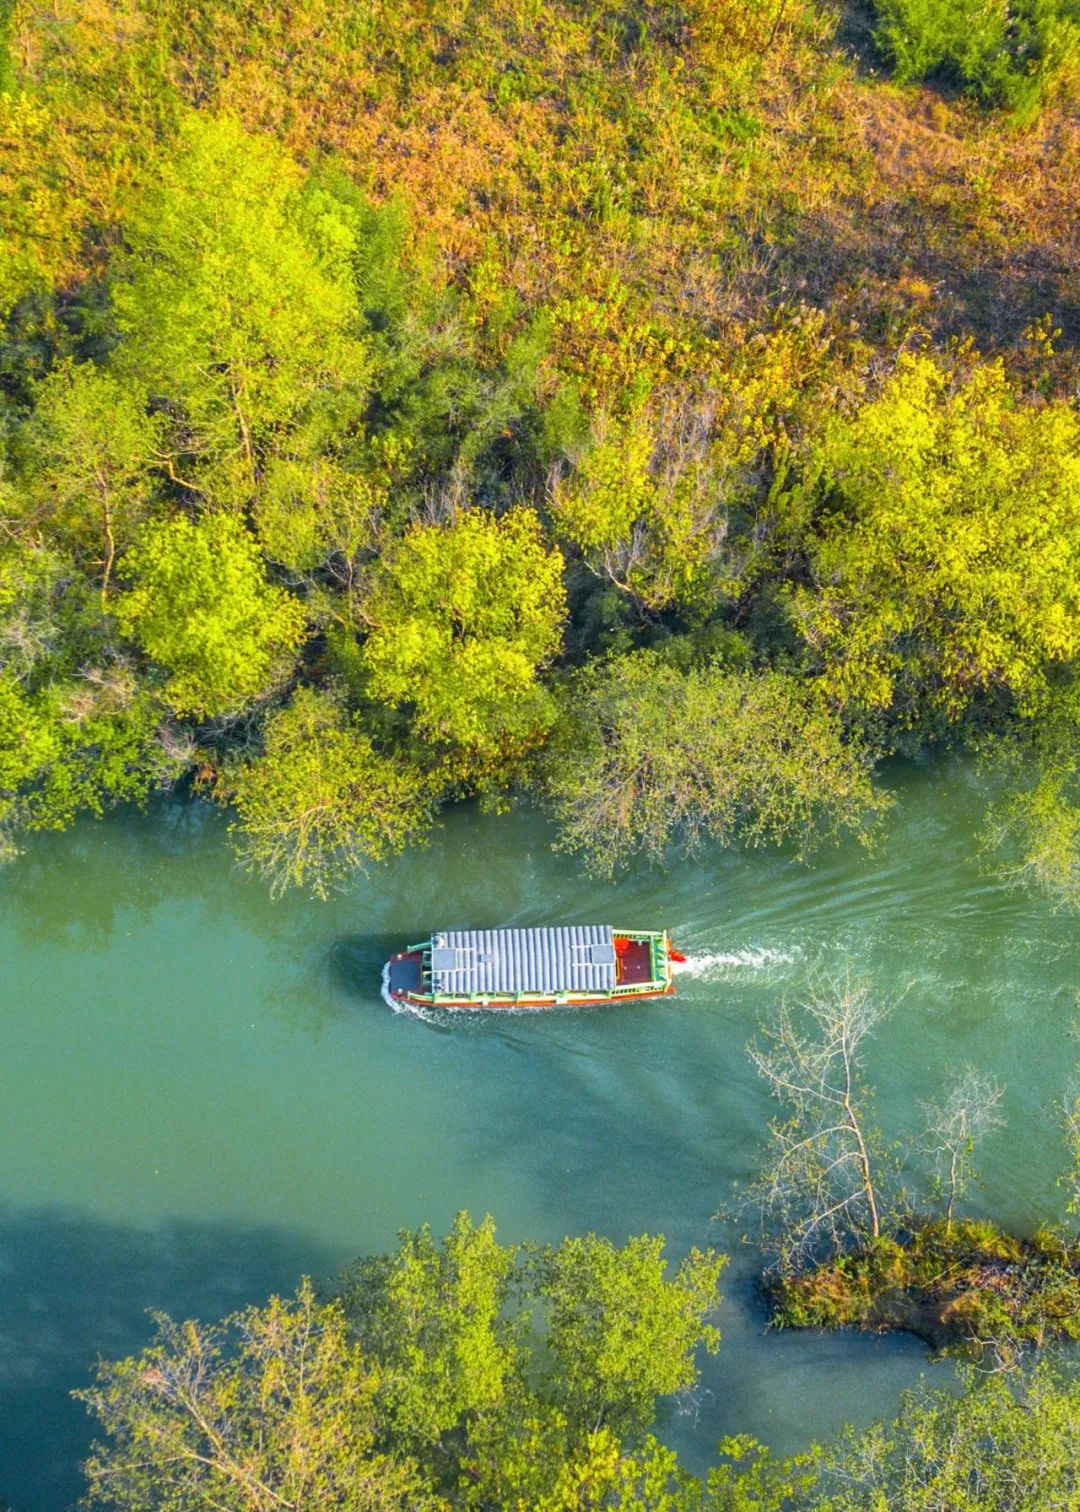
497,961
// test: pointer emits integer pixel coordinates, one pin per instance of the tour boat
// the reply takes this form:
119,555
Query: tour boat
568,966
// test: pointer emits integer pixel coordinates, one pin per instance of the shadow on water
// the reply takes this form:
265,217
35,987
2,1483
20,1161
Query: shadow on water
354,964
76,888
76,1288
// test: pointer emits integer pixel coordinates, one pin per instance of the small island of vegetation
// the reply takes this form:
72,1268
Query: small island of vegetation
852,1244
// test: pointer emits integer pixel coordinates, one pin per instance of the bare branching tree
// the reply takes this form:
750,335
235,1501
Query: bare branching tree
822,1190
968,1111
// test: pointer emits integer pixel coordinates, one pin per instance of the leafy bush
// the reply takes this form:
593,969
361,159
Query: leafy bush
422,1386
428,1385
1004,53
320,802
460,618
999,1447
947,538
200,606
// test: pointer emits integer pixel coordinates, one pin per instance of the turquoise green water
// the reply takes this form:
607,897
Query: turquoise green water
202,1093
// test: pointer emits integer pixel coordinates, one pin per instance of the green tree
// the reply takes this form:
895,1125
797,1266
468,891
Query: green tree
235,304
88,453
1000,1444
42,206
200,606
621,1331
435,1317
526,1377
110,743
28,744
427,1383
79,731
319,802
1006,54
647,756
537,1462
998,1447
312,511
944,556
461,617
648,510
273,1409
31,587
750,1478
281,1407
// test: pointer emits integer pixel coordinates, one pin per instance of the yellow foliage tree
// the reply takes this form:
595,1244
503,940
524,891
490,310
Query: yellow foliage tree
944,556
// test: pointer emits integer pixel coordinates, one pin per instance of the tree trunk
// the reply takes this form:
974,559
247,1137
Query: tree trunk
110,552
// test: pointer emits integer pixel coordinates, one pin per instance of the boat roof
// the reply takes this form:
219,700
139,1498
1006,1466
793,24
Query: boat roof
568,958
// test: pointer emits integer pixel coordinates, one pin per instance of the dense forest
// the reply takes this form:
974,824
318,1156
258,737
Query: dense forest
662,408
425,1381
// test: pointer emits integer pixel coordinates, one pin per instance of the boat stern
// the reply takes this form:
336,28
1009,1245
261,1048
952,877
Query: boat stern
643,963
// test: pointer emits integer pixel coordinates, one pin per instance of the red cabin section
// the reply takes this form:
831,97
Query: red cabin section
633,961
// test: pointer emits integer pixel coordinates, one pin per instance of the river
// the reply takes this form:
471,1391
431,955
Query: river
202,1094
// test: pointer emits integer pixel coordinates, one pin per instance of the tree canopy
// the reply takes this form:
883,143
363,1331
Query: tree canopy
87,455
319,801
275,1408
235,304
665,330
461,618
423,1382
426,1383
201,608
944,557
649,756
